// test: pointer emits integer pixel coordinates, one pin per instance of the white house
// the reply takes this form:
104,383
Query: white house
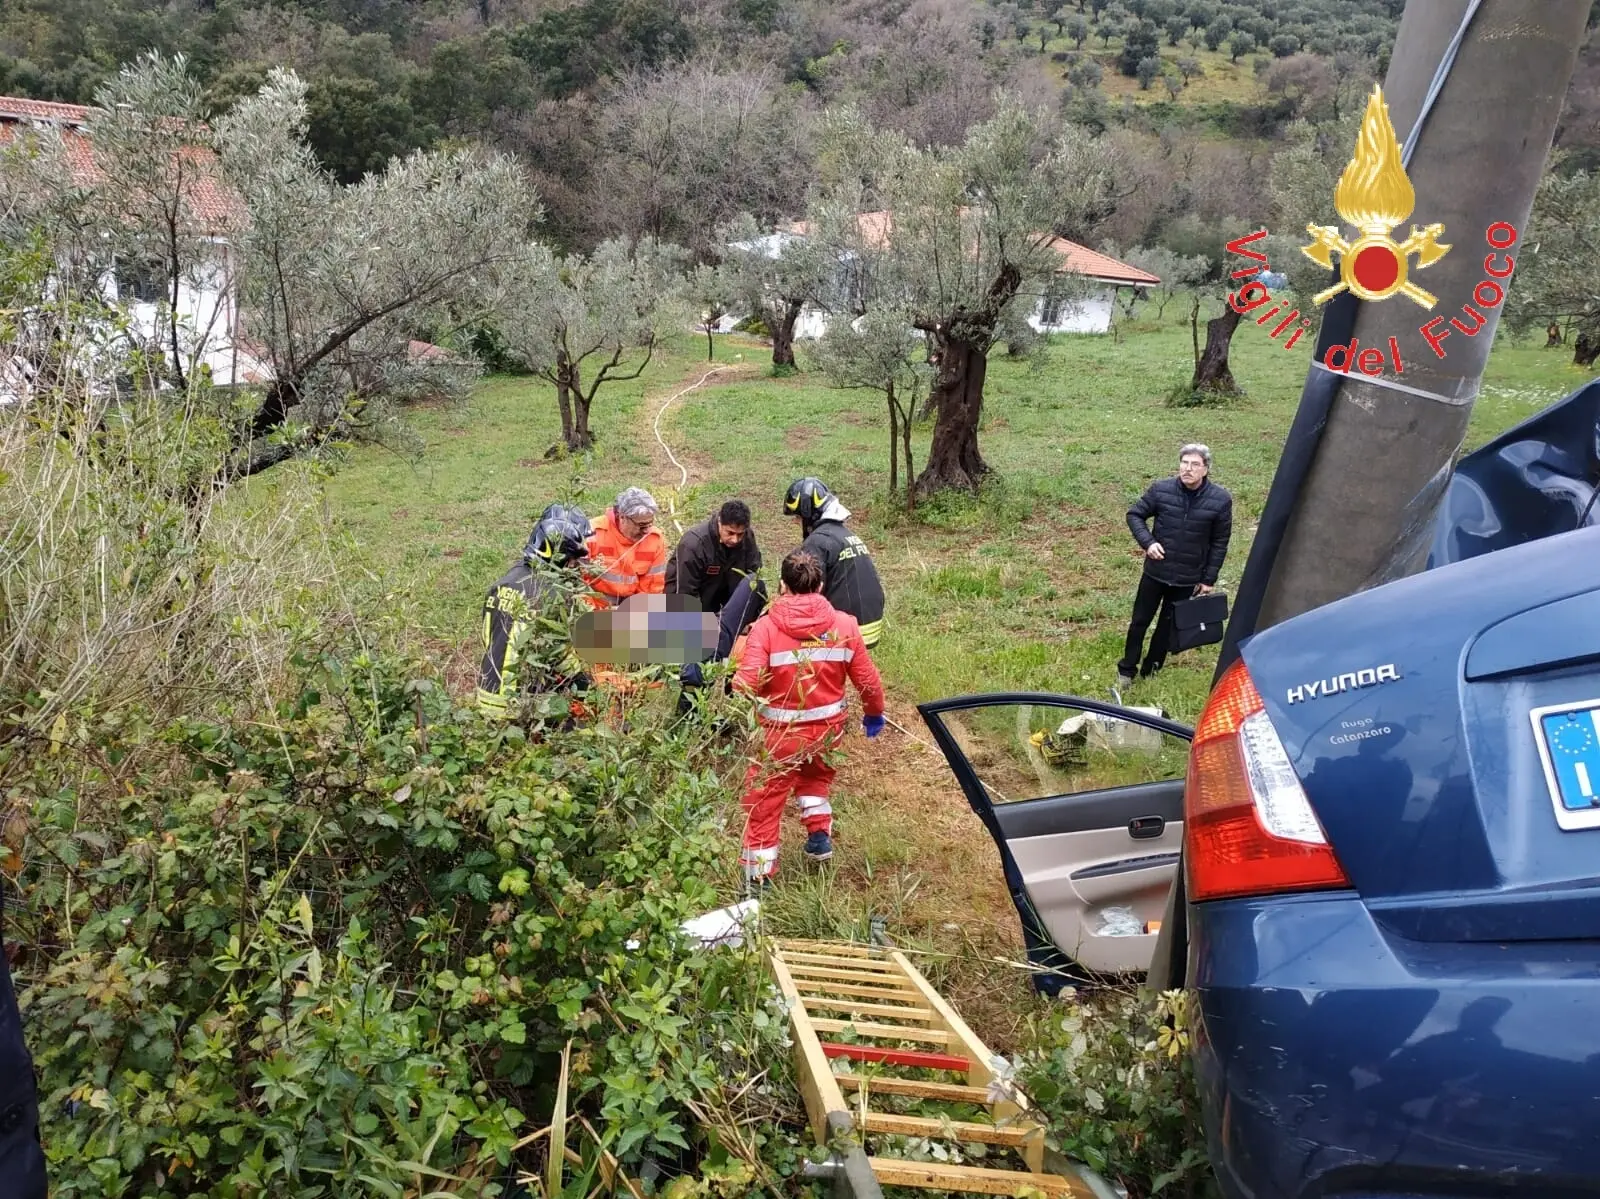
207,301
1090,311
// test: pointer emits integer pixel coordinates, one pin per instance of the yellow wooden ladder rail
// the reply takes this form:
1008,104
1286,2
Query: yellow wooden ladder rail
863,988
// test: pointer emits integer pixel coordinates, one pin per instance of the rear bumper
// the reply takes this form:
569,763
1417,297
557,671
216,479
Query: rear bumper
1334,1058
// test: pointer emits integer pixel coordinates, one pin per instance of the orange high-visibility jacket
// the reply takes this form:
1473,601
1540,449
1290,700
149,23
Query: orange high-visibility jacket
617,569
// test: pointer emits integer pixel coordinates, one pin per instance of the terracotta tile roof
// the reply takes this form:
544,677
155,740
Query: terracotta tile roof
1081,260
217,206
15,108
1076,259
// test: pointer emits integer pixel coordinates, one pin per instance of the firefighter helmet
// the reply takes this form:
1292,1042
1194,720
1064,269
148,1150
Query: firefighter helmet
806,498
559,537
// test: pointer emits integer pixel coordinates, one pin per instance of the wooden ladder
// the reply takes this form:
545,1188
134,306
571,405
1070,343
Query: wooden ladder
900,1020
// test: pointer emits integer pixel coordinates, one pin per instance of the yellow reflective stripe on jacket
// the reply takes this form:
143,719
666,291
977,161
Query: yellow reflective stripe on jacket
871,632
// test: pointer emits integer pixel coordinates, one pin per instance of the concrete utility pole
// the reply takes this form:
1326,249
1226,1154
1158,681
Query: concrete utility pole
1362,512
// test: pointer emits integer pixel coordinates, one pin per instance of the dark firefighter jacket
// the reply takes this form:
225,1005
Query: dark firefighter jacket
1193,528
703,567
22,1165
850,580
512,606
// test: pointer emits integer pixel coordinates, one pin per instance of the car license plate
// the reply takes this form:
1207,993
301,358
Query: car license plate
1568,736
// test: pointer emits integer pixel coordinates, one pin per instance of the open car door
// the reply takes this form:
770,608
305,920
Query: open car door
1084,801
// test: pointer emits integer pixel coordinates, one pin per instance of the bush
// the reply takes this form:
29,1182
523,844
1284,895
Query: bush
339,952
1111,1075
490,347
754,325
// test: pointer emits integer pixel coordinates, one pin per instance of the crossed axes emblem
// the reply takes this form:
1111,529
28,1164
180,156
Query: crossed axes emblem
1424,243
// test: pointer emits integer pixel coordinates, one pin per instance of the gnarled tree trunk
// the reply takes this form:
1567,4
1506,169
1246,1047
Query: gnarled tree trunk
788,316
574,405
584,440
1211,371
953,458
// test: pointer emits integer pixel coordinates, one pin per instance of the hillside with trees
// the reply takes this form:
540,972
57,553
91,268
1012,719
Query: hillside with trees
671,120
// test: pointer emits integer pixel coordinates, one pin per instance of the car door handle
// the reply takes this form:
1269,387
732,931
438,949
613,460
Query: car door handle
1143,828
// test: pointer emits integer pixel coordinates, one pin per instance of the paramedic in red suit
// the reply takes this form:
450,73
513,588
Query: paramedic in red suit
795,663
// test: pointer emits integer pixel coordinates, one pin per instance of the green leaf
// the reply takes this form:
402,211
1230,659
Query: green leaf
366,1124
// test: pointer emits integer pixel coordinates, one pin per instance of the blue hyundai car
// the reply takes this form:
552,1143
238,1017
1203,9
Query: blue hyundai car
1385,833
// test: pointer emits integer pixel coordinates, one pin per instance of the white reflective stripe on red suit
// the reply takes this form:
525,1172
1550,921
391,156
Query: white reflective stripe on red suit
758,863
793,657
796,715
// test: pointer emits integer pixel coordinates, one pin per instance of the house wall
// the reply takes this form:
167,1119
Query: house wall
207,318
1087,314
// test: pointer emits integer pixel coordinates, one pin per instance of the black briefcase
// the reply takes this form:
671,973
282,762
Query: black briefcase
1198,621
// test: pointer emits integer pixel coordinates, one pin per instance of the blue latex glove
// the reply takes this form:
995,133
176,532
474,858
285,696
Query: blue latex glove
872,725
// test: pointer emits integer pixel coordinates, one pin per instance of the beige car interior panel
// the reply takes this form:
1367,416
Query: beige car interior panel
1073,910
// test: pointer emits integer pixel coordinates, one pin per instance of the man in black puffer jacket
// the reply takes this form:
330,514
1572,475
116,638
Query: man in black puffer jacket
1182,556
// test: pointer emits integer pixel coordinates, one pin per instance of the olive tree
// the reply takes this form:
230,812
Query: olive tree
776,275
157,203
582,321
881,351
969,242
1558,260
338,280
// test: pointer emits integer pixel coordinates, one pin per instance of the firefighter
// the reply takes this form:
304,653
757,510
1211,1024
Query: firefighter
627,554
716,562
795,663
517,601
852,583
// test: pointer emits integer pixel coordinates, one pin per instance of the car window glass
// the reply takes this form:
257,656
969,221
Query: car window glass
1033,751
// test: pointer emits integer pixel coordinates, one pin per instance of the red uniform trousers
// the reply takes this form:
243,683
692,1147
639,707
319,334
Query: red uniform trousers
792,765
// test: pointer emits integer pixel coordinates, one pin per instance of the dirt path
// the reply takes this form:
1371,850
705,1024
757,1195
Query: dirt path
672,465
909,847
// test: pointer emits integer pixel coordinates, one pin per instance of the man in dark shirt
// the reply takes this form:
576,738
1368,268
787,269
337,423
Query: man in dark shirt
713,556
716,562
1182,555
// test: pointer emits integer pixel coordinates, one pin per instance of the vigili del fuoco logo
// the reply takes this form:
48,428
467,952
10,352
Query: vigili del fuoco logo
1374,195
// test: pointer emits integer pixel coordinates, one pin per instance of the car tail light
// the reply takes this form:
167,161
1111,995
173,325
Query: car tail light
1248,826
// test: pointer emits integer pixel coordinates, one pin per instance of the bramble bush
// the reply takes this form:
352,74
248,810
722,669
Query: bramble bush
1111,1073
339,952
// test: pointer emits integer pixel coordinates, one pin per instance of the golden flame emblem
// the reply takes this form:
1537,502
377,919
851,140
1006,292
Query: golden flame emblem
1374,195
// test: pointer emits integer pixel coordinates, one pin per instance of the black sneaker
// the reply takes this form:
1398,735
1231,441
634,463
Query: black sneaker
819,847
758,888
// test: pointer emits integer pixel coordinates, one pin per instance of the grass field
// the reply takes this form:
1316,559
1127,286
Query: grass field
1026,588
